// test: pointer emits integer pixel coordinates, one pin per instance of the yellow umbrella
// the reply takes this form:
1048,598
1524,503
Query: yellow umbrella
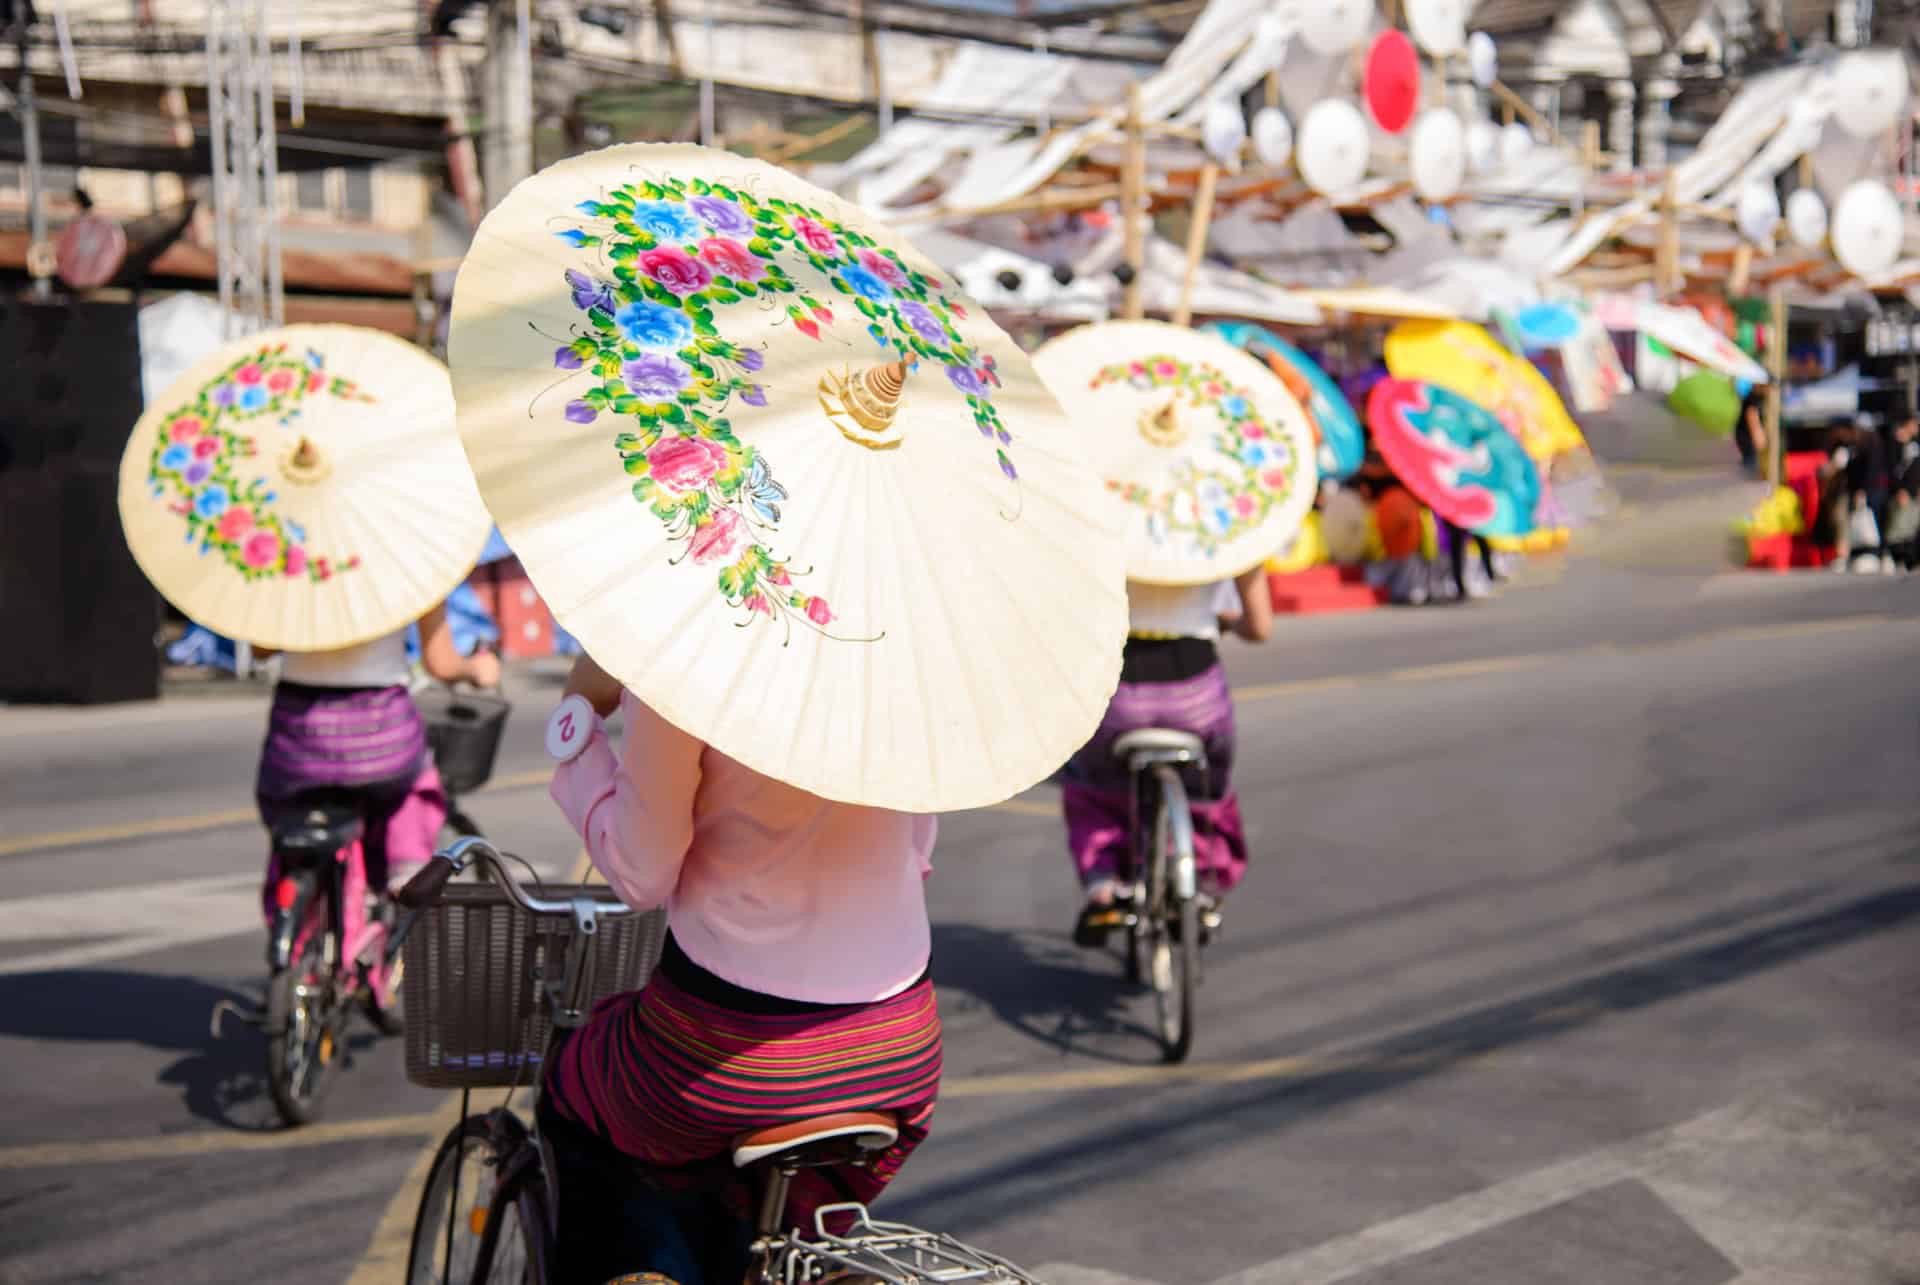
1464,359
790,487
1206,447
303,489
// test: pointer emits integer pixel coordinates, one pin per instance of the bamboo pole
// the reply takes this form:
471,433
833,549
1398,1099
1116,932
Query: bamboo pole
1777,369
1667,256
1738,279
1134,183
1516,104
1196,242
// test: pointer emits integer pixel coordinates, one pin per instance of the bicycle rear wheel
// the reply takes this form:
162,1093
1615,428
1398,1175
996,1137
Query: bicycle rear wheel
472,1230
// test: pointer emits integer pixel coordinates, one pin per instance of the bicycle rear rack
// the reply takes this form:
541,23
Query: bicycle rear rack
894,1253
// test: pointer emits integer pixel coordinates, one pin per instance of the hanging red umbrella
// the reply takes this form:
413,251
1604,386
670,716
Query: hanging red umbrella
1392,81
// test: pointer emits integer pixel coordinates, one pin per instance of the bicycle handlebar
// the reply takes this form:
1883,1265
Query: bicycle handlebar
426,887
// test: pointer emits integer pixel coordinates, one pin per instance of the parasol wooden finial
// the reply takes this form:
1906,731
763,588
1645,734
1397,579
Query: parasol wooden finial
305,463
862,406
1162,426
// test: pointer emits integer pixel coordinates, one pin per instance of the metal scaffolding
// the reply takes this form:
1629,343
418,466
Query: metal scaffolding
246,205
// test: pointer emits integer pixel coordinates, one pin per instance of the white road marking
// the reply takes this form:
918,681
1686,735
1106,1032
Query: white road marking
115,923
1437,1225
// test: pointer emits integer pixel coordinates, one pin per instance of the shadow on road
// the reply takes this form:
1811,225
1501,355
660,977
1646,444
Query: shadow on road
1073,1000
221,1078
1209,1118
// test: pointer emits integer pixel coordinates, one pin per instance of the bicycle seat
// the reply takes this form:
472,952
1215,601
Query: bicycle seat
823,1140
1158,741
317,826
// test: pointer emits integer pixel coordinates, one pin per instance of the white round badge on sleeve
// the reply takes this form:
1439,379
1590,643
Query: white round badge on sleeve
570,728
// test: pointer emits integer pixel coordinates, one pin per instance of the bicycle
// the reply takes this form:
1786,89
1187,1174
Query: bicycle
1164,922
326,955
480,1031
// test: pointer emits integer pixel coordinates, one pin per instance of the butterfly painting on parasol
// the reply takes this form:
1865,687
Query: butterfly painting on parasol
665,262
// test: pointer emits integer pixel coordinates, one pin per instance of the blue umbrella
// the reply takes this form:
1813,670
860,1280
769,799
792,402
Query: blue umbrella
1343,443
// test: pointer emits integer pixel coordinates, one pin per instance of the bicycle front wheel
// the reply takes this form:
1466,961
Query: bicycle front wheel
478,1224
1176,975
303,1028
1172,942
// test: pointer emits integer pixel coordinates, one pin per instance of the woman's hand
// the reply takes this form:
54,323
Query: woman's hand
483,669
599,688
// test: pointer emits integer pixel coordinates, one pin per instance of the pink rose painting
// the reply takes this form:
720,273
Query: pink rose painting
729,258
249,373
261,549
884,268
677,270
818,612
816,237
296,560
683,464
719,539
235,523
280,380
183,428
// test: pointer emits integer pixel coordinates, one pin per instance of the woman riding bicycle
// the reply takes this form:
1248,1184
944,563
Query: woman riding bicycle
344,719
1170,677
793,984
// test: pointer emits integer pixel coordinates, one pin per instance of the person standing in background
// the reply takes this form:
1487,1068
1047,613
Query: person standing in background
1867,486
1902,526
1750,431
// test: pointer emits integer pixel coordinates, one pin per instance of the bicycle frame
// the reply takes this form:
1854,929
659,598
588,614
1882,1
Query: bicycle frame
1157,781
326,896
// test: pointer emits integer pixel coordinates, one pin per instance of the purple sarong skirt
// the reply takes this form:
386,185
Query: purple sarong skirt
1095,796
370,740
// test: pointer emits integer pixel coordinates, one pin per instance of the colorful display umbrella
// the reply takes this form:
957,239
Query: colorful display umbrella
1464,359
1682,330
1689,334
1391,81
303,489
1454,455
1584,351
1210,454
1340,440
792,489
1708,399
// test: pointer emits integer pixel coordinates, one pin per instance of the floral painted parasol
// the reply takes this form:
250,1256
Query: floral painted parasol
303,489
783,481
1209,452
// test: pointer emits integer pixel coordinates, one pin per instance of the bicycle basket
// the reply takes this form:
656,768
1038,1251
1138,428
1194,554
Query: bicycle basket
472,979
463,730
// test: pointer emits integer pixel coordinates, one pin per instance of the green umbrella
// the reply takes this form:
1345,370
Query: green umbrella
1707,399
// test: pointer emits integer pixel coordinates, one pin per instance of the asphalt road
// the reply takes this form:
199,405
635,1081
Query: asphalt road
1582,945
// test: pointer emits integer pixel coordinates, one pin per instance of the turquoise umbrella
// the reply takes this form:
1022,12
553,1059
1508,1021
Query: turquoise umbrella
1343,442
1455,456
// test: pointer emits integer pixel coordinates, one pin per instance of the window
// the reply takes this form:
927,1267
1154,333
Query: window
310,191
358,203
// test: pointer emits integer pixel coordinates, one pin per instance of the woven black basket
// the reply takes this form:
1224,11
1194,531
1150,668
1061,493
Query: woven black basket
463,730
473,968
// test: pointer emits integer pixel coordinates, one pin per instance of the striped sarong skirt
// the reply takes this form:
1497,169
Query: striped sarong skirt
672,1074
370,740
349,737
